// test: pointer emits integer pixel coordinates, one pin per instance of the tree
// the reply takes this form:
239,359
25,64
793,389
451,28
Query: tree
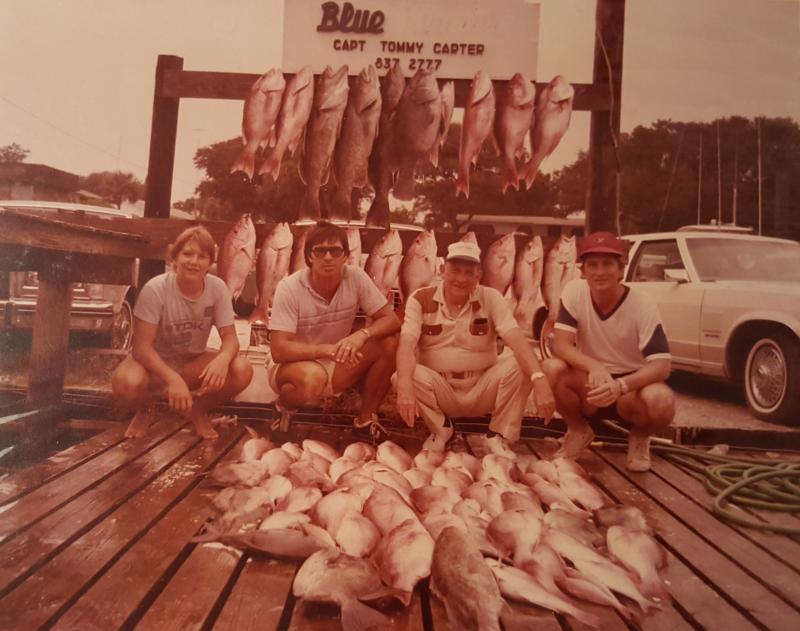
13,154
114,186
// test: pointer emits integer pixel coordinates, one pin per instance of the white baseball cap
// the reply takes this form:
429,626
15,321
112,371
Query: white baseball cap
464,251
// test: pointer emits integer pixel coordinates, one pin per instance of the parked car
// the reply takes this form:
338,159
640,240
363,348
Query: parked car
97,308
730,304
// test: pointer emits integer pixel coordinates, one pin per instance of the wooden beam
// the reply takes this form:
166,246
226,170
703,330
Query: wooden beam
77,267
50,338
163,137
604,167
193,84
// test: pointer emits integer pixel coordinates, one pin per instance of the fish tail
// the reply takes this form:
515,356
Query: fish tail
510,177
244,163
309,205
357,616
434,154
378,214
404,187
272,166
529,171
260,313
462,183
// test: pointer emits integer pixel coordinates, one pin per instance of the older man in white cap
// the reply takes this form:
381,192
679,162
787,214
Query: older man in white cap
447,361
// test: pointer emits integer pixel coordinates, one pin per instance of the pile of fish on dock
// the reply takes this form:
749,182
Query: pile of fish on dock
516,267
370,523
367,131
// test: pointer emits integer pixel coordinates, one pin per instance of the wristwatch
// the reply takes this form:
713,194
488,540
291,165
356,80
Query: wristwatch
624,388
537,375
366,332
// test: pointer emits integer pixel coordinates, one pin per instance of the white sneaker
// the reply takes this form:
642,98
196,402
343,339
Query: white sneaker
638,453
438,441
575,441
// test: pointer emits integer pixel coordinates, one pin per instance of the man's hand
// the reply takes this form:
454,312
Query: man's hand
543,400
214,374
348,349
407,402
604,394
178,395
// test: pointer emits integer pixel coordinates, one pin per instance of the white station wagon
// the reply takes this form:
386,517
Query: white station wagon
730,304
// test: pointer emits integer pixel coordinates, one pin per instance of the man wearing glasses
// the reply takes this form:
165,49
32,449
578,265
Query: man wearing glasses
313,352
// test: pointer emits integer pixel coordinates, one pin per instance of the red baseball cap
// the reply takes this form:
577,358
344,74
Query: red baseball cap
603,243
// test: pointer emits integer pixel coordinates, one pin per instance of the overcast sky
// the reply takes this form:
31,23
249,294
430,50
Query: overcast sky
77,75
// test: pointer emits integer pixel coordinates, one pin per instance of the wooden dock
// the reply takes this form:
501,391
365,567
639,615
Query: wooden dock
96,537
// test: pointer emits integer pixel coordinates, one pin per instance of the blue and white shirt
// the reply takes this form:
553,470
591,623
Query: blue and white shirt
622,339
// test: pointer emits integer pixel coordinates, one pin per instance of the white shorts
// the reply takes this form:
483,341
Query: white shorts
328,365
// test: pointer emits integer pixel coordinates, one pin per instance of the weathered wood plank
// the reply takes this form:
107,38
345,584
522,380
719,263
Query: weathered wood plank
701,563
48,593
15,485
771,574
258,598
780,547
24,554
125,590
60,492
76,266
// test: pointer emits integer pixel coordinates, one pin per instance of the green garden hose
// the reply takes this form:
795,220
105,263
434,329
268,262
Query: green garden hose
758,483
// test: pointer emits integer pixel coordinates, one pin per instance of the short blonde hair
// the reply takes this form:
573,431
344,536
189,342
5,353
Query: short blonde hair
199,235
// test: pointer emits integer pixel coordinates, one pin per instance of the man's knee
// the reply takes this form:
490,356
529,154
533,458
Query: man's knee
129,382
659,404
555,369
240,373
388,346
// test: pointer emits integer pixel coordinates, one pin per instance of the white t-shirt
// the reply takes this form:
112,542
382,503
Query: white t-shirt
466,341
184,324
298,309
624,339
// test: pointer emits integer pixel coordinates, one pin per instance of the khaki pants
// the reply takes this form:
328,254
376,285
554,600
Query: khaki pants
501,390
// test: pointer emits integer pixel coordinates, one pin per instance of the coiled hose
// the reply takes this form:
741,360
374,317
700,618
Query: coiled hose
759,483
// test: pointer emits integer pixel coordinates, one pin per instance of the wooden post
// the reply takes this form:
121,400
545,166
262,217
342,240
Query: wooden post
163,136
50,336
603,196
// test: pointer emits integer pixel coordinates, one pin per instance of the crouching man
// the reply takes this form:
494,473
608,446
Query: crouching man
447,362
612,352
313,352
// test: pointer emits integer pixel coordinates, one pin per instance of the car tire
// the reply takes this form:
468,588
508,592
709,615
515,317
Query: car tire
772,378
121,334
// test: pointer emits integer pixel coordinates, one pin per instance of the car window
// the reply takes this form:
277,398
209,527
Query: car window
652,258
744,259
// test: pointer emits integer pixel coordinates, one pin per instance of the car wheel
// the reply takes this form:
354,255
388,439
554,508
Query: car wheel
122,328
771,378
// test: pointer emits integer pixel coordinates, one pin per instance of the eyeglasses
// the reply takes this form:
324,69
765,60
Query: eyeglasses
320,251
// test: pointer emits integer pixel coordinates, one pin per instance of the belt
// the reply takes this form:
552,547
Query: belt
461,375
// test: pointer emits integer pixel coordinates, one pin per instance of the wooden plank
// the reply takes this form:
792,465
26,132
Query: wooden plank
603,194
18,484
124,591
44,500
15,423
77,266
258,598
49,592
48,362
196,84
24,554
739,595
780,547
781,580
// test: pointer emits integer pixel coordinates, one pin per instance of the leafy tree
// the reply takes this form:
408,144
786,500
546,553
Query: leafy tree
13,154
115,186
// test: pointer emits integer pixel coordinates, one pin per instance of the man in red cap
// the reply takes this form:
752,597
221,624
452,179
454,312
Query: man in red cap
612,356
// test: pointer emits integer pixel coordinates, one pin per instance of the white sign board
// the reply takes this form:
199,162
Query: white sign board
453,38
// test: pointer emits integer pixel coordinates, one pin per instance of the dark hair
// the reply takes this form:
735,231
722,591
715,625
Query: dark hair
324,231
200,235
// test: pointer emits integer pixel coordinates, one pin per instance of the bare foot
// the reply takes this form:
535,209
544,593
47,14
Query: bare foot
203,427
139,425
